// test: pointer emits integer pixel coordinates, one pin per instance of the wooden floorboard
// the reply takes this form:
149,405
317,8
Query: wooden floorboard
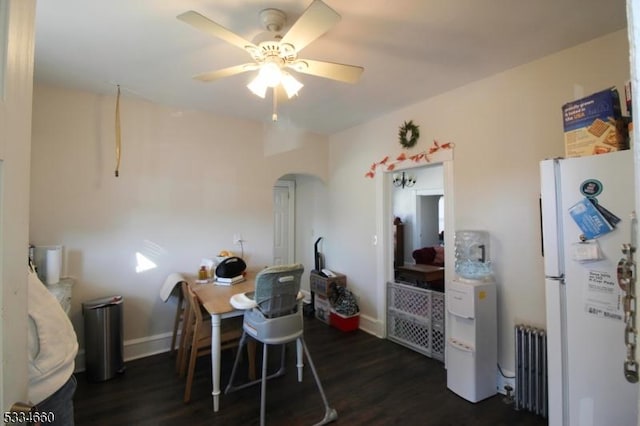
369,381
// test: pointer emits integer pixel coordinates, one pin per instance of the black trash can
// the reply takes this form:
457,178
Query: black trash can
103,330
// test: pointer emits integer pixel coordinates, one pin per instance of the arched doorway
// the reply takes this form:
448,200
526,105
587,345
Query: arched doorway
300,217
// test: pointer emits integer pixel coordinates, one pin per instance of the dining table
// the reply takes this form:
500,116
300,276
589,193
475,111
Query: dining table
425,273
215,298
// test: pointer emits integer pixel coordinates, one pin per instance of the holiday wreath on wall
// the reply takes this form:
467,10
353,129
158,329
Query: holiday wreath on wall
408,134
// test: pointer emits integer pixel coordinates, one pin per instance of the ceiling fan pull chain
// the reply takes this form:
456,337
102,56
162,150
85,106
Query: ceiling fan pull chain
274,116
118,141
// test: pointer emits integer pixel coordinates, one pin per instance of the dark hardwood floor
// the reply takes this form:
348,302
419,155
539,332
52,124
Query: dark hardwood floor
369,381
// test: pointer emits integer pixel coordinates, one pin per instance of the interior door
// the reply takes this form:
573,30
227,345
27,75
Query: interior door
283,222
427,219
17,32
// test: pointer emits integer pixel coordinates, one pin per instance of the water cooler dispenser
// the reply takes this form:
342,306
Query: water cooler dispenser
472,345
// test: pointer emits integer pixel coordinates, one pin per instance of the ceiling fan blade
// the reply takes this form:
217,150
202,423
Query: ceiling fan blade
315,21
226,72
206,25
341,72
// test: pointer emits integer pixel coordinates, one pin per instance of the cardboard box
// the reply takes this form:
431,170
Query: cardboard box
594,125
322,285
322,308
345,323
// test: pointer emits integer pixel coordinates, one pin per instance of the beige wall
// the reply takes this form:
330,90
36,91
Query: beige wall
502,127
188,182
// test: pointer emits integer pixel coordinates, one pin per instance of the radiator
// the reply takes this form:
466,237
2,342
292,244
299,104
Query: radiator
531,369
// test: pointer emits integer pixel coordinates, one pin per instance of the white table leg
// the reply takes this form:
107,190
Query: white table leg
300,363
215,360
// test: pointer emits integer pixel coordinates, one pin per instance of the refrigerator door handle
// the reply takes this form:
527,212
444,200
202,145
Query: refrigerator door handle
627,281
541,226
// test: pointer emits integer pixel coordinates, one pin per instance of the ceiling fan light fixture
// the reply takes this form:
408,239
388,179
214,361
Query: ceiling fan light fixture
272,51
290,84
270,74
258,87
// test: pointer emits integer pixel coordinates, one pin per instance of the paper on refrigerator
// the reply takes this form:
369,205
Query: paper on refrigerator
602,296
589,219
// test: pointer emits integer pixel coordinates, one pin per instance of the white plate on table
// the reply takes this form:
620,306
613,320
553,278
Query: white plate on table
243,300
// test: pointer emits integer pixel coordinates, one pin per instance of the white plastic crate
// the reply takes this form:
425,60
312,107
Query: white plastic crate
415,318
438,341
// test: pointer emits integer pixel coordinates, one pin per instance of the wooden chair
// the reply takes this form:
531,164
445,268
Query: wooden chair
182,315
188,325
179,317
174,281
197,338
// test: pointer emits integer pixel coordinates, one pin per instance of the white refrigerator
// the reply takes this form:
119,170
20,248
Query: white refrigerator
586,347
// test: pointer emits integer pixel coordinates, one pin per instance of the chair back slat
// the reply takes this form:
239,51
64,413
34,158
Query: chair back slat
196,308
188,311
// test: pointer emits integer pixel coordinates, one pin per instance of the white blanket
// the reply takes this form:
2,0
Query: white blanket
169,284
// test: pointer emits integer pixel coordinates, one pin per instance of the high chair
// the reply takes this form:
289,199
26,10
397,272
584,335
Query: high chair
273,316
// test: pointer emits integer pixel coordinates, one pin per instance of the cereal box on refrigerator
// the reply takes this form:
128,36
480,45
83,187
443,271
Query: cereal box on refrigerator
594,125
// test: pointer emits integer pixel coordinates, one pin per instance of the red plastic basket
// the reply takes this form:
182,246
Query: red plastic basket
344,323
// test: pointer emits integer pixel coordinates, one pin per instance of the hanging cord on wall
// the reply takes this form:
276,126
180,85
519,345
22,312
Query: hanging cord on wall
241,242
504,375
508,399
118,139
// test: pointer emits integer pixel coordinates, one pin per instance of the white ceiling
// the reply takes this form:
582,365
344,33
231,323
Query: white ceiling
411,50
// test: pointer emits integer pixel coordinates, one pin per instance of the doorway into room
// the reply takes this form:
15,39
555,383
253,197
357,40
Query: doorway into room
442,170
421,211
300,217
284,193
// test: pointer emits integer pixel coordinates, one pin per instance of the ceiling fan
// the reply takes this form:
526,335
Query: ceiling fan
273,54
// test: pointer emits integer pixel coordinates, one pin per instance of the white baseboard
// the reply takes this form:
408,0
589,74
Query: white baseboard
136,348
159,343
371,325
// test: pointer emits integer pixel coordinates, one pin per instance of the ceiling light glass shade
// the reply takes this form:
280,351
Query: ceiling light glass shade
290,84
270,74
258,87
